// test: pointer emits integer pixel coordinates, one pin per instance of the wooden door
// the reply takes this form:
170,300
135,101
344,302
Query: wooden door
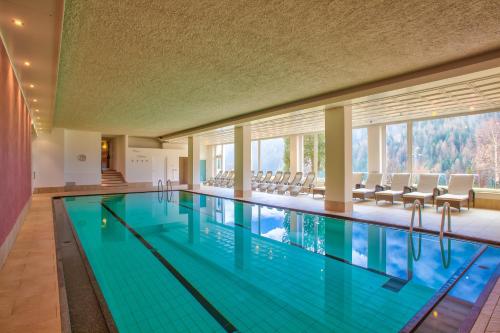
183,170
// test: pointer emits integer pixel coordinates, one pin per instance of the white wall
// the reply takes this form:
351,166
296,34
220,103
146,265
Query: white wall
55,158
48,159
79,143
151,164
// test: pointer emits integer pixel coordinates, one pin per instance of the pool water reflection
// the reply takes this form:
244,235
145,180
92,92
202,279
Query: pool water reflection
263,268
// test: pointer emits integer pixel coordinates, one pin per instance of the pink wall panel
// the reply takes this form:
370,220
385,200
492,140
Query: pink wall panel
15,148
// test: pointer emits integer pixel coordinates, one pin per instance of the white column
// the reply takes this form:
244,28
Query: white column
338,159
409,146
375,145
300,154
294,153
242,161
210,161
315,154
193,163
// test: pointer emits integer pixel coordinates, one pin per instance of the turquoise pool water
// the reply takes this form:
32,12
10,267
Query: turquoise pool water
206,264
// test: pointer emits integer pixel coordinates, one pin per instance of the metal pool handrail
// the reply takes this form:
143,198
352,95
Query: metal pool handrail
160,184
416,204
170,190
446,210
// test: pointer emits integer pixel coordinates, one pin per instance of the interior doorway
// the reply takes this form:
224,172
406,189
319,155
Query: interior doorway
105,154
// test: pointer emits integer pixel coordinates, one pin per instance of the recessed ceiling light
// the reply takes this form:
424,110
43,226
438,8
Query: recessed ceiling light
472,108
17,22
32,85
35,100
37,110
434,113
37,117
27,63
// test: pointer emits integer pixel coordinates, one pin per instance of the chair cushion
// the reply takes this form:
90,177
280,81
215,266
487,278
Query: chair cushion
427,182
460,184
399,181
418,195
373,180
452,197
363,190
389,193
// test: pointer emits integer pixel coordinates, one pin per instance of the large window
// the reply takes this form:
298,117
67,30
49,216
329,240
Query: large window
360,150
228,156
321,156
255,156
272,153
396,148
218,158
467,144
308,153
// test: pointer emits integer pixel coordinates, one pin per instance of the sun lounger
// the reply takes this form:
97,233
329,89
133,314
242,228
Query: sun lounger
459,192
372,185
425,192
304,187
399,185
282,188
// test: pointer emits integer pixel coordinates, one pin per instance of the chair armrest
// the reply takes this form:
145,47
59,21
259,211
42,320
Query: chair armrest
407,189
379,188
359,186
472,196
436,192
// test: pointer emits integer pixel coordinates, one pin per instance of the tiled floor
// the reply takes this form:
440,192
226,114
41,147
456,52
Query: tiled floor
29,296
489,318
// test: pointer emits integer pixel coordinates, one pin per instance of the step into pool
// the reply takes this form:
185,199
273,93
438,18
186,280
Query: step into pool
184,262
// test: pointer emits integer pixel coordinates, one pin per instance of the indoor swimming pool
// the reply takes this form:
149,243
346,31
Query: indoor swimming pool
187,262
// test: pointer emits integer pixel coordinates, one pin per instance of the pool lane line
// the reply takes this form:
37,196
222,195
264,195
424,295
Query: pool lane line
420,316
219,317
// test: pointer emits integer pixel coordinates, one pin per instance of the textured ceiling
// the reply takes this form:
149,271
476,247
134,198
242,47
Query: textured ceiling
151,67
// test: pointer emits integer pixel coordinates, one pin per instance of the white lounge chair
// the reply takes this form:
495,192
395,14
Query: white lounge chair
284,180
357,178
266,179
258,176
399,185
372,185
304,187
459,192
425,192
212,180
282,188
276,179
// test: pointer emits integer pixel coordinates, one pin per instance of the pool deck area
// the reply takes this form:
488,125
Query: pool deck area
29,292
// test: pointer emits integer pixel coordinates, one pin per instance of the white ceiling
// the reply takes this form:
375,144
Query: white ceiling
37,42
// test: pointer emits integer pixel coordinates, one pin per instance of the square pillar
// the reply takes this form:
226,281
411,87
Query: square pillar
193,163
294,153
338,159
300,153
376,142
242,161
409,147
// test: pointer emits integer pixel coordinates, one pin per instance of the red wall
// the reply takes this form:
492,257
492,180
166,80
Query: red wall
15,148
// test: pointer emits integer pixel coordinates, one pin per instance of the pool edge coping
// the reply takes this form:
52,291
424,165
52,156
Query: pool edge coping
103,306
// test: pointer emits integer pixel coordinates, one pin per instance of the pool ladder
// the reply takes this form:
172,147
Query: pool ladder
445,215
169,190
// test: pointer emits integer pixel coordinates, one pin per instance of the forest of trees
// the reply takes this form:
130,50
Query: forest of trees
465,144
